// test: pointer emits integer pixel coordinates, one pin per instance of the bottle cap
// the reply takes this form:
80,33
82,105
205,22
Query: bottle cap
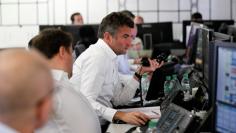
174,76
152,123
185,75
168,77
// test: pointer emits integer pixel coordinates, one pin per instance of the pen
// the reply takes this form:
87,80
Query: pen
155,113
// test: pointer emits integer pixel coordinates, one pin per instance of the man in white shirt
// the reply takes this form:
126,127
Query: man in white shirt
95,71
72,113
26,87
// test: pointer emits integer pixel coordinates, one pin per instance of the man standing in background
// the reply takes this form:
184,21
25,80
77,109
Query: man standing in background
77,19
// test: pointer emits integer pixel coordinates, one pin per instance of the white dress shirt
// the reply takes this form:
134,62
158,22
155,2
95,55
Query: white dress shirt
123,65
6,129
72,113
95,72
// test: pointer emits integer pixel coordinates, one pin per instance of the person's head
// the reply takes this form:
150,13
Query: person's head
26,87
77,19
115,30
137,44
56,45
134,30
197,16
138,20
128,13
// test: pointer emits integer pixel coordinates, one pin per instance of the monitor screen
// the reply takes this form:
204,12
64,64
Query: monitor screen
232,32
212,24
206,35
73,29
153,34
222,37
192,43
225,111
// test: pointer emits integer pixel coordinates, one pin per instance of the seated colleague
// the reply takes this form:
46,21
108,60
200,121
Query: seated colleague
72,113
138,20
196,17
26,88
95,71
77,19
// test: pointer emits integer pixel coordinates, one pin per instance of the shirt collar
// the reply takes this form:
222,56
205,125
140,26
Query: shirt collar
59,74
6,129
107,49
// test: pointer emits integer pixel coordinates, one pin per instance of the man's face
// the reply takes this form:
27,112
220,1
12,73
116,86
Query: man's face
121,41
78,20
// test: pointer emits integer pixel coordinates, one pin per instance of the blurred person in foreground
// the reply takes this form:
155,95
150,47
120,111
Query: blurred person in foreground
26,88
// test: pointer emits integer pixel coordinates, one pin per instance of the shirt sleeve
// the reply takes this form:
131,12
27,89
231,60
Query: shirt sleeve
123,64
128,87
92,78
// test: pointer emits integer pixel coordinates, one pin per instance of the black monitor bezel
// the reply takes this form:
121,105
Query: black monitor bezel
217,45
74,32
205,22
161,32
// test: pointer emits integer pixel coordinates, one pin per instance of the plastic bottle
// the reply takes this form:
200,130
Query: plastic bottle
145,85
176,82
168,85
186,87
152,126
185,83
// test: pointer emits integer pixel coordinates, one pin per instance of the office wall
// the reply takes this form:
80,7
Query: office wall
19,19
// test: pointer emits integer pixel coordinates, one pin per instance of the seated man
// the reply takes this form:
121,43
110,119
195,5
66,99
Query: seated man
72,113
138,20
26,88
95,71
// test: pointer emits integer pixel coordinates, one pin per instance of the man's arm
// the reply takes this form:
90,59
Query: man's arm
129,84
91,76
135,118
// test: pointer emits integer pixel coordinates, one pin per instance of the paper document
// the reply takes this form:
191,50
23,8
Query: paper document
152,112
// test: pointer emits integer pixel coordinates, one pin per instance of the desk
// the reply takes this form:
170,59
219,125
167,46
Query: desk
119,128
152,112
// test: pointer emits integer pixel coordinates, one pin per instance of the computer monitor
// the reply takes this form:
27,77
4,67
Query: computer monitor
212,24
206,39
217,36
232,32
204,36
192,43
225,87
209,79
156,87
153,34
73,29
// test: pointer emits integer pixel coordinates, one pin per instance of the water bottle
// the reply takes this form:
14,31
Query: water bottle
145,84
152,126
186,87
176,83
169,58
168,85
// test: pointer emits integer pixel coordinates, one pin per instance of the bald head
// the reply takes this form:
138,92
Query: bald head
24,79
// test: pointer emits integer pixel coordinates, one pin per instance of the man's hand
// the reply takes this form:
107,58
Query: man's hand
153,66
135,118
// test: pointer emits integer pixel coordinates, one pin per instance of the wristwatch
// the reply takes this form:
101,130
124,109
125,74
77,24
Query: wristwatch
139,76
